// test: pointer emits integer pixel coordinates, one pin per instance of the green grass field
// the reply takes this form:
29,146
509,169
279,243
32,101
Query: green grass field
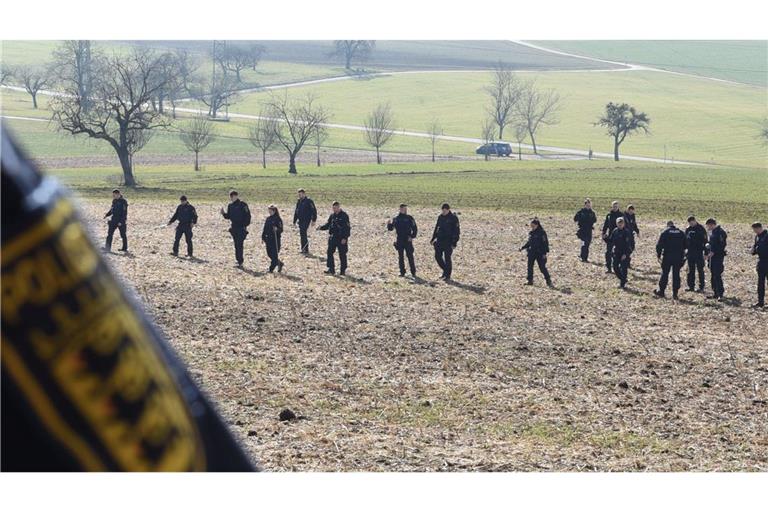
740,61
696,119
528,186
268,72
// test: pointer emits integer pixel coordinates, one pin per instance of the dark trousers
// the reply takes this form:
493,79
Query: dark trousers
762,277
238,237
303,227
273,252
695,264
620,267
187,232
405,248
333,245
111,227
542,262
666,266
609,261
716,269
586,240
443,252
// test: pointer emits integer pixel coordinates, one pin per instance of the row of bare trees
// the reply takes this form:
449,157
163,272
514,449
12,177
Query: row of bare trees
518,103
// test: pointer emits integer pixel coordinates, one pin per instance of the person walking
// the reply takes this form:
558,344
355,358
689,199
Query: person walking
270,235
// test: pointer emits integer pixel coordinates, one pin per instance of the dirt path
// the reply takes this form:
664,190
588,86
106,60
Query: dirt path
482,374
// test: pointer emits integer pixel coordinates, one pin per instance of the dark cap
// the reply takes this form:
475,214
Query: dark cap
445,206
183,198
670,223
403,205
757,225
233,193
711,221
116,191
336,203
691,218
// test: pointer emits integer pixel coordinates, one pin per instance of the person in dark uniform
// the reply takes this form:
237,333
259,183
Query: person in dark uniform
585,219
609,226
670,250
760,249
631,219
716,256
622,243
445,238
270,235
240,216
695,244
304,215
187,217
538,248
119,214
339,230
405,228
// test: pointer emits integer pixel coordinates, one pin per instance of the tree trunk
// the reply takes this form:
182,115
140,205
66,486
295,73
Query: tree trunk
501,131
197,164
378,155
486,156
160,103
263,158
533,143
318,156
292,163
433,152
125,163
616,149
519,151
34,99
349,61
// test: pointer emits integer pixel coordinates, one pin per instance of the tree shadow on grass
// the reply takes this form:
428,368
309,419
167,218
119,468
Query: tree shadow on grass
474,288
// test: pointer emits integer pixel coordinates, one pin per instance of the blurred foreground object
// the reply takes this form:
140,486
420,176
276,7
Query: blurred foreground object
88,382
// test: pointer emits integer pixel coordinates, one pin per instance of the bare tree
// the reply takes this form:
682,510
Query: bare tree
263,135
34,79
353,51
379,128
236,58
6,74
119,105
537,108
488,133
622,120
196,135
297,121
180,81
521,132
216,92
319,137
435,131
504,92
764,131
75,63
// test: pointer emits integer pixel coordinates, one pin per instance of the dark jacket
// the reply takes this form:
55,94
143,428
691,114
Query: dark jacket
185,214
631,220
118,212
623,241
761,245
586,220
238,213
671,244
610,223
305,211
338,225
273,229
538,243
447,229
717,242
695,239
405,227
